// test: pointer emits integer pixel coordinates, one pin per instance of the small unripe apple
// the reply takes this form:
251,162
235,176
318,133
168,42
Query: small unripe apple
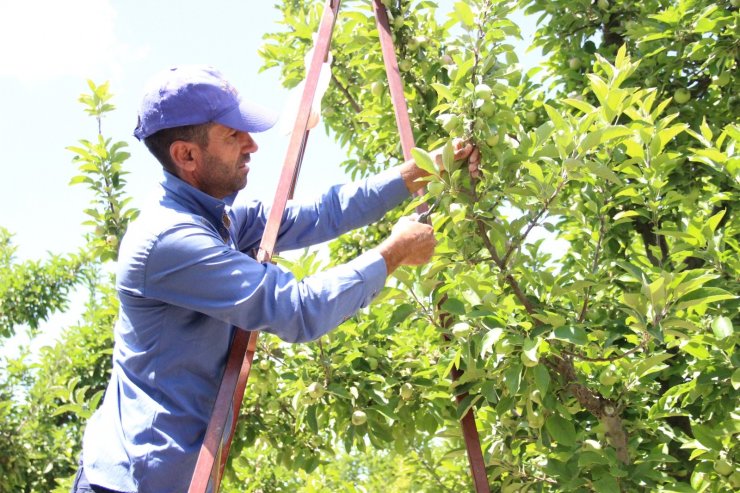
723,467
450,123
407,391
316,390
526,360
483,91
603,4
377,89
398,22
487,109
531,117
682,95
607,378
446,60
404,65
493,139
460,330
574,63
359,417
372,363
264,364
111,240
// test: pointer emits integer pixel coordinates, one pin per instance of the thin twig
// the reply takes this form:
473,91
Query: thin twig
346,93
594,265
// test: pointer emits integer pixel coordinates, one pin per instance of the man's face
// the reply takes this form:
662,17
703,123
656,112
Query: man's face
223,170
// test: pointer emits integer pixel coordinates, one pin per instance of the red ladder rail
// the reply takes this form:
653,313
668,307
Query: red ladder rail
470,431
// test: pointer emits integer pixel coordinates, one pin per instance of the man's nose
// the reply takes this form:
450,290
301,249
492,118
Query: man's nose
248,143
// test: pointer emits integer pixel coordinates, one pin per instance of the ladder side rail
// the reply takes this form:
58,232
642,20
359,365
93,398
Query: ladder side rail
470,432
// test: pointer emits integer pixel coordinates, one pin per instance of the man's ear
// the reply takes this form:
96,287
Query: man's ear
185,155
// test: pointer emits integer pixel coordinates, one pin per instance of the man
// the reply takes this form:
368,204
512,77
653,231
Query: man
186,282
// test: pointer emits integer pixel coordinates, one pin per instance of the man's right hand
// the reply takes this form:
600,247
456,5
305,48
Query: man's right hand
410,243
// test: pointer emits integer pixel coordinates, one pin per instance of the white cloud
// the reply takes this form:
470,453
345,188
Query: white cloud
46,39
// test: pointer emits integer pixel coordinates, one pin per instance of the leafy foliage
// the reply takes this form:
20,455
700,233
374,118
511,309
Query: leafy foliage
584,291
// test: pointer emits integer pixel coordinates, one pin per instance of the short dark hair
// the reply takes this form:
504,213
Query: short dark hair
159,143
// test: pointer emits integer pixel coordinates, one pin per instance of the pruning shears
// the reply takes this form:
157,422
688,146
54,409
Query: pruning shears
424,216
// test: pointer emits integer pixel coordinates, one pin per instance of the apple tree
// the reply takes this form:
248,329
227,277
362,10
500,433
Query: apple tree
586,277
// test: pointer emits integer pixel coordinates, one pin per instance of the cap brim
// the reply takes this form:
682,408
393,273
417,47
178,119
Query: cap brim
249,117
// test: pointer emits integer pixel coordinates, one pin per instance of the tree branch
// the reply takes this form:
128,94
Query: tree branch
346,93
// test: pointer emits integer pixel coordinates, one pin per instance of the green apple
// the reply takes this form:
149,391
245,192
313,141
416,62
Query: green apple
531,117
723,467
526,360
603,4
372,363
574,63
487,109
264,364
407,391
460,330
450,123
316,390
359,417
377,88
682,95
404,65
483,91
446,60
398,22
493,139
607,378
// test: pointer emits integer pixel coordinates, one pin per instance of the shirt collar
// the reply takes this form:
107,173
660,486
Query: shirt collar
195,200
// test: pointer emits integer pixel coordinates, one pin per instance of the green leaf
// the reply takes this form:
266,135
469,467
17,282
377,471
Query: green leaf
705,436
489,340
424,160
572,334
736,379
513,378
561,430
466,404
454,306
703,296
464,14
541,378
443,91
722,327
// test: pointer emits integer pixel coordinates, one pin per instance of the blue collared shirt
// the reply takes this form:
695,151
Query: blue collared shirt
184,284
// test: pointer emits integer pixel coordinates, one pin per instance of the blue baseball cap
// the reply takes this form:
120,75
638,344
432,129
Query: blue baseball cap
195,94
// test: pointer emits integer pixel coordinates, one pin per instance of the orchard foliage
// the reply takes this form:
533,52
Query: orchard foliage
585,283
589,267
